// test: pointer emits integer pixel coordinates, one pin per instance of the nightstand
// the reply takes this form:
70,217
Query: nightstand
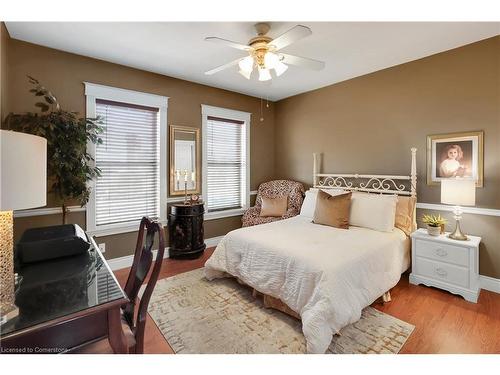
446,264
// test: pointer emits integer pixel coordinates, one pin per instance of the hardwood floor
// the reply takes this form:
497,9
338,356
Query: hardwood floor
444,323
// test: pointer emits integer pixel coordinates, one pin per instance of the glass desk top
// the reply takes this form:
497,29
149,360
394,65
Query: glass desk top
59,287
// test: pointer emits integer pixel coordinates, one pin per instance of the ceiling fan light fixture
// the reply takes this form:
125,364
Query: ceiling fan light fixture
280,68
264,75
271,60
245,73
246,64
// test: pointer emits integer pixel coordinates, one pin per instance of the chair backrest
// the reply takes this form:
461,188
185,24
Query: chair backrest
143,258
280,188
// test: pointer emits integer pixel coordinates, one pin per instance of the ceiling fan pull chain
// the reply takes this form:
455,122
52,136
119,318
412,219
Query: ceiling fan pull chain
261,110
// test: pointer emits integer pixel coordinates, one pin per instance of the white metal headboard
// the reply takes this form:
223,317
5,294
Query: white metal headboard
371,183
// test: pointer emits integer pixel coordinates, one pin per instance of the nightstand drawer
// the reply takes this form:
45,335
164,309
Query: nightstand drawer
442,271
443,253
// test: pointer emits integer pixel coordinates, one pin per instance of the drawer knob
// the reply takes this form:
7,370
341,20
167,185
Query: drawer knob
441,272
441,252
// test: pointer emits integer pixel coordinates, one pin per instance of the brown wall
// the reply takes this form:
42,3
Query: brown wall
4,38
368,125
64,73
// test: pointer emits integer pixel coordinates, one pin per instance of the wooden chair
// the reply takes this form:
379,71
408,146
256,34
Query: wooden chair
134,319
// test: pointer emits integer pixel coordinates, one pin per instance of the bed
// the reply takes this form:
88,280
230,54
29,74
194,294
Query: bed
322,274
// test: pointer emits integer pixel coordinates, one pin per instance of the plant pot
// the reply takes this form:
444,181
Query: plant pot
433,231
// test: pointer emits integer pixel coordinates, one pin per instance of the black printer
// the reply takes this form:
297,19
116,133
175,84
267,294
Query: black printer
38,244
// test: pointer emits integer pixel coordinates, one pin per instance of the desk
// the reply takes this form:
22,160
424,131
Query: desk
65,303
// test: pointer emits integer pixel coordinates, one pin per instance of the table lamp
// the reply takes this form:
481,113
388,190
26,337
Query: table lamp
23,184
458,192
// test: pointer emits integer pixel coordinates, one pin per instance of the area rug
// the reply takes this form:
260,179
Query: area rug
221,316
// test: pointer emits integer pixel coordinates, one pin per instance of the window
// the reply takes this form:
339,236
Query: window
225,161
132,159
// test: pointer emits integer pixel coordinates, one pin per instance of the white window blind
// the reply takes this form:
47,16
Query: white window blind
129,159
226,164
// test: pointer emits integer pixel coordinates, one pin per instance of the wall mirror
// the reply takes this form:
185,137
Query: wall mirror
185,160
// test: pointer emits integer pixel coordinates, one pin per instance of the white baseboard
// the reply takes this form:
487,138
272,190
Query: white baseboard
126,261
489,283
214,241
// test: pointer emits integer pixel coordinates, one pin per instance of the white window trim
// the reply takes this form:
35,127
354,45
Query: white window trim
94,91
206,111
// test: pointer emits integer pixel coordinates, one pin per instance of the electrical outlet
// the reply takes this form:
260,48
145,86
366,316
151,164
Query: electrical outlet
102,247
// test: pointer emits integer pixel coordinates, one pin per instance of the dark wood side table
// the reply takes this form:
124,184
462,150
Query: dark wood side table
65,303
186,231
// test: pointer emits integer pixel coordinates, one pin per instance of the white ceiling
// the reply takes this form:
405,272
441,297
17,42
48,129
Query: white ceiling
178,49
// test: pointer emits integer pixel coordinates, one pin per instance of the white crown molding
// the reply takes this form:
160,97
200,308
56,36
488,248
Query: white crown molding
465,210
126,261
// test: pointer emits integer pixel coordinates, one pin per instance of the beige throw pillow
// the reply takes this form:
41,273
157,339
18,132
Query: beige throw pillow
405,214
333,210
275,207
373,211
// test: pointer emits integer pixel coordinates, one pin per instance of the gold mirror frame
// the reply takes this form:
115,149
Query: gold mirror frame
196,131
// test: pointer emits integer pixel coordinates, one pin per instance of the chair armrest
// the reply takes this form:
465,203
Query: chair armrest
291,212
250,216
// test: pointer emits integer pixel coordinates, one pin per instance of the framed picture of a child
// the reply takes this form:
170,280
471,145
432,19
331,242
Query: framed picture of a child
455,155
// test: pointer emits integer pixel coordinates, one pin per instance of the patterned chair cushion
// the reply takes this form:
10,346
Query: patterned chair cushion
277,188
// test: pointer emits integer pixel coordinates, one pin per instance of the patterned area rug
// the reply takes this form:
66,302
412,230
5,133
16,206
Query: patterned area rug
221,316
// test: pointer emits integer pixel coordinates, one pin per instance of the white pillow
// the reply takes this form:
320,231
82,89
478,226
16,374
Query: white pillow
309,204
373,211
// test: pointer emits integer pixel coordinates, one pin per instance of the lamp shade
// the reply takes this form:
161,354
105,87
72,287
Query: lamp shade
23,171
458,192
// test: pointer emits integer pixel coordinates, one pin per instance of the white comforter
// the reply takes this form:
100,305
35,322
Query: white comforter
325,274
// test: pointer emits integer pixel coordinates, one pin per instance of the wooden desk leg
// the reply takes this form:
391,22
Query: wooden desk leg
115,333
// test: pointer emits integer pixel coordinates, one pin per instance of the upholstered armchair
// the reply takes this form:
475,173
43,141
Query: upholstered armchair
277,188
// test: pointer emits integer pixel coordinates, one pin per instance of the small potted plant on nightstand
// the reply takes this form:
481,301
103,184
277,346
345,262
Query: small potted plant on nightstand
434,224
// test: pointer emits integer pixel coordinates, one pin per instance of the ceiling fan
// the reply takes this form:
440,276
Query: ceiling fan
264,53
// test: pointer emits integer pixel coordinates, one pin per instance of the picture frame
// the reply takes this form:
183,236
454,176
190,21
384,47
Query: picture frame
455,155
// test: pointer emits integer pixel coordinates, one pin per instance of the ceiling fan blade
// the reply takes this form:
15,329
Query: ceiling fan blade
291,36
222,67
303,62
228,43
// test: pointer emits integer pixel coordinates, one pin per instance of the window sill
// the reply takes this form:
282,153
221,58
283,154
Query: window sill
134,227
223,214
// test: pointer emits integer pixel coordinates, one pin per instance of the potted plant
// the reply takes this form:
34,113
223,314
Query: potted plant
434,224
69,166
